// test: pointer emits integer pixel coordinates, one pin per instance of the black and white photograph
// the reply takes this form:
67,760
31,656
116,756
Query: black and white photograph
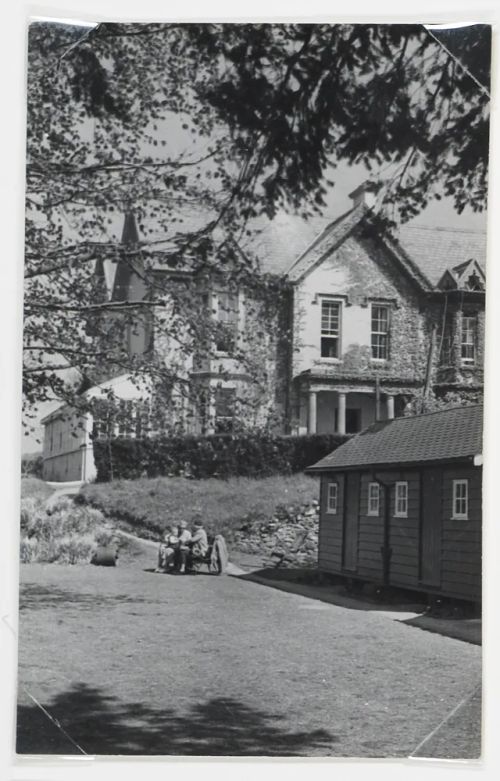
255,270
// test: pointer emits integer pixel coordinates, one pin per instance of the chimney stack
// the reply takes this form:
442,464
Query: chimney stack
363,195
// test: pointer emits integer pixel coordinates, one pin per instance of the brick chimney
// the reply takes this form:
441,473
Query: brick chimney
363,195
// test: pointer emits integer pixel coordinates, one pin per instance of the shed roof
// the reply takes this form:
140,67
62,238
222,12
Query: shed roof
447,435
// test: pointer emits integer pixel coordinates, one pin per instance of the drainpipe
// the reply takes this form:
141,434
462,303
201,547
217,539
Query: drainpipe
386,550
430,360
377,398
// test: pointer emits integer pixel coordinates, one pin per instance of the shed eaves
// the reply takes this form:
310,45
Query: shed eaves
446,435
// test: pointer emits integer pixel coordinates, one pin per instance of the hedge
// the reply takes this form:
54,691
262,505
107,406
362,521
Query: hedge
219,455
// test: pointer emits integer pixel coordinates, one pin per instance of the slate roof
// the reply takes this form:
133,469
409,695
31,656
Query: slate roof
447,435
285,238
434,250
291,245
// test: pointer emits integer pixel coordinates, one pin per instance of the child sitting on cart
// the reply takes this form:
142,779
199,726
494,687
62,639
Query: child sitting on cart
167,549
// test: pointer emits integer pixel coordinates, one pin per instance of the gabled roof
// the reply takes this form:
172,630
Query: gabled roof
466,276
427,252
447,435
281,240
435,250
333,235
291,245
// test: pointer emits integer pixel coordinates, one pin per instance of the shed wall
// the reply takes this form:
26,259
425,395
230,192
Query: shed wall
459,554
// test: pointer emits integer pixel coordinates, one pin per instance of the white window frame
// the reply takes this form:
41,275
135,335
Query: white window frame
460,516
401,513
371,509
326,333
380,333
331,508
471,343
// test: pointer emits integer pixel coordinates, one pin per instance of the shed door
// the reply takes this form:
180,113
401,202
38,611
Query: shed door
351,518
430,540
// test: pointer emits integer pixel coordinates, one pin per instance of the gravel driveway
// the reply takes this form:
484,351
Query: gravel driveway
129,662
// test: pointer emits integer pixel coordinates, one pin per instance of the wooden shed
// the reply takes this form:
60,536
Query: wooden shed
401,504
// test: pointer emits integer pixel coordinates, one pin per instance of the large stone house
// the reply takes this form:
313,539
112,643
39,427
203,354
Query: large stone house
364,322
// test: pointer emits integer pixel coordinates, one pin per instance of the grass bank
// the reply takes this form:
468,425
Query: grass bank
34,488
149,505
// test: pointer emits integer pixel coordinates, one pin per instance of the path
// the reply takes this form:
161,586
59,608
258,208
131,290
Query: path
131,662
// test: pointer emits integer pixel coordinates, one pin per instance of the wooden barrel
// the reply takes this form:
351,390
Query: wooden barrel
105,556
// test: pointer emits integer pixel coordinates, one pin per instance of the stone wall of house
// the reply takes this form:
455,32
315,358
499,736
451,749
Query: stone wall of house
360,273
449,371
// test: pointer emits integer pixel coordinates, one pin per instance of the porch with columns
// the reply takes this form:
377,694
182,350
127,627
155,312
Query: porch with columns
345,411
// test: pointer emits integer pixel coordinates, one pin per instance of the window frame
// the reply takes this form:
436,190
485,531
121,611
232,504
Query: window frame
467,360
460,516
329,509
379,333
370,511
326,334
232,324
224,424
401,513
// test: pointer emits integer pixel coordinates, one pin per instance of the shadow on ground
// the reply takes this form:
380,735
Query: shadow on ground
38,597
305,581
101,724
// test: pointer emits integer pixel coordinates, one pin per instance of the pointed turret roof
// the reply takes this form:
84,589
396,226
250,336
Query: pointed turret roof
130,233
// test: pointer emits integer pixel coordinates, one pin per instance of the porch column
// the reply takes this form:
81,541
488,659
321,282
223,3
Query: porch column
341,414
390,407
312,412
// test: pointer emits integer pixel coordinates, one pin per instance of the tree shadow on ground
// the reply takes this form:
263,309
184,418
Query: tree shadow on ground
102,724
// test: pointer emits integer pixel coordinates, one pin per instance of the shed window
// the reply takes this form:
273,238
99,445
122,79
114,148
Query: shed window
401,500
373,499
461,499
332,498
330,329
380,332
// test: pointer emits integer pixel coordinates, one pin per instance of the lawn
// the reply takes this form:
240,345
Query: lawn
148,505
130,662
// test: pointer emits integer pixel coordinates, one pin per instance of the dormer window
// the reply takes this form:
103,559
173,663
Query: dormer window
474,283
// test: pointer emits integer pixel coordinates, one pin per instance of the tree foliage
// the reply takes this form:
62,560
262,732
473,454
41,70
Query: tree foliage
204,130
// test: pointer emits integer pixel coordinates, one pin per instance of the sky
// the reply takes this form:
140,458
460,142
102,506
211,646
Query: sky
346,178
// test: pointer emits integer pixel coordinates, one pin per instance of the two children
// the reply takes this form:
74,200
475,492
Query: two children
176,539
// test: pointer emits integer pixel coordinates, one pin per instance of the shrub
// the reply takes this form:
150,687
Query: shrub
32,465
64,532
222,455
